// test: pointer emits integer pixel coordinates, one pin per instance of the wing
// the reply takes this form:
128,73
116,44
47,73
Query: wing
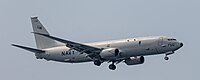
90,50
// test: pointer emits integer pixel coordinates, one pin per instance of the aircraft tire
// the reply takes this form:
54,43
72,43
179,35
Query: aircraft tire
97,63
166,58
112,67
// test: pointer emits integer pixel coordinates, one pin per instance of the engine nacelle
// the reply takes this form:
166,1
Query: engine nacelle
134,60
109,53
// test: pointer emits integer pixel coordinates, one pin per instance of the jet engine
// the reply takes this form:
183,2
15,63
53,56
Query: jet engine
134,60
109,53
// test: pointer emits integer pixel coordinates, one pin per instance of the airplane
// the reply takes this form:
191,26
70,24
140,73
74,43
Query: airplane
130,51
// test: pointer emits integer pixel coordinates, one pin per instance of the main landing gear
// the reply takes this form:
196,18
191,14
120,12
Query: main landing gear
112,67
97,63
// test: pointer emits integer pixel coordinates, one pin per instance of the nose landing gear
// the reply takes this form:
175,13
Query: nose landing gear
168,53
166,58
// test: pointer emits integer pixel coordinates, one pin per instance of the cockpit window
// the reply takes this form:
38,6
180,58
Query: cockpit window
171,39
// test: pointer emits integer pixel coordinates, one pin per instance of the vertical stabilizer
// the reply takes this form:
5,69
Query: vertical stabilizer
41,41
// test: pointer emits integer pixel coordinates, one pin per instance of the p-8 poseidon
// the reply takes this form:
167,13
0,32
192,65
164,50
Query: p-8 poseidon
131,51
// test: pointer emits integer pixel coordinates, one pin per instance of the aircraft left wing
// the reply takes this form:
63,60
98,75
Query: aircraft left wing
90,50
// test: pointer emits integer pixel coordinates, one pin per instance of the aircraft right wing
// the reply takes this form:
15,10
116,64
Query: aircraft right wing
90,50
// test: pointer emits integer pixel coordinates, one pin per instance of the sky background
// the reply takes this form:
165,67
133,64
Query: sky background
97,20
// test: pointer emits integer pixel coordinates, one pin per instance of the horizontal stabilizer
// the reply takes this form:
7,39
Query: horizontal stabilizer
29,49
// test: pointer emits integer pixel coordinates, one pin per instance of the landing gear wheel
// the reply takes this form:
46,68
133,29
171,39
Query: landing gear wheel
166,58
97,63
112,67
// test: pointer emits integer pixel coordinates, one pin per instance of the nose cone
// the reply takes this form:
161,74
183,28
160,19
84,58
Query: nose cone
181,44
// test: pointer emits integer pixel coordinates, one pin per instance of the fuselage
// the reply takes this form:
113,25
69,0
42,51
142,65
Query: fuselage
131,47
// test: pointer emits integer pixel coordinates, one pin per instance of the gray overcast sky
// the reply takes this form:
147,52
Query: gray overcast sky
92,20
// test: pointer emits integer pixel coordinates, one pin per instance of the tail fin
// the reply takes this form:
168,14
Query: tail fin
41,41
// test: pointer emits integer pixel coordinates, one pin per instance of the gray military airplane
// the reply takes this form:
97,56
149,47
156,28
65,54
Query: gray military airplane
131,51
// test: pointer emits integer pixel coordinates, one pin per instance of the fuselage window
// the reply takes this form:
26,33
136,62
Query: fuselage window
127,40
108,45
171,39
140,42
